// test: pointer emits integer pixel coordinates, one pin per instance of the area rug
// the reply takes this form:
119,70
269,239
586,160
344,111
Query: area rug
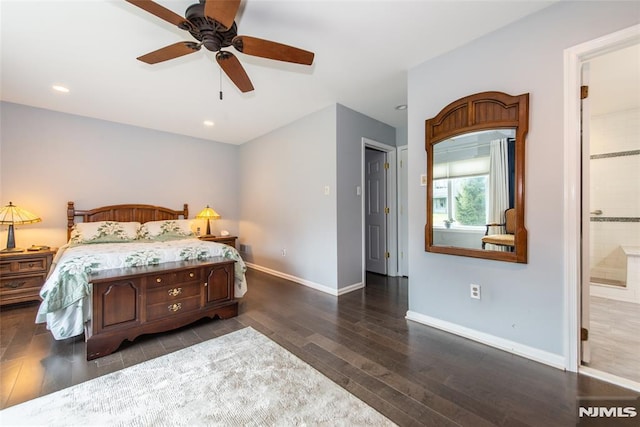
240,379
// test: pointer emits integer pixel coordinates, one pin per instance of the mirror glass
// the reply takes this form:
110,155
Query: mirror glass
475,178
471,180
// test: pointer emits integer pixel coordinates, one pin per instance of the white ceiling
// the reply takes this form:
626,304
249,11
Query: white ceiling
363,51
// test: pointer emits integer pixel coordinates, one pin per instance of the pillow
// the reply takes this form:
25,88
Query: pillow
104,232
170,229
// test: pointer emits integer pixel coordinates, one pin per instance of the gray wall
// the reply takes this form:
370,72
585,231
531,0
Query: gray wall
351,128
520,303
49,158
283,203
284,206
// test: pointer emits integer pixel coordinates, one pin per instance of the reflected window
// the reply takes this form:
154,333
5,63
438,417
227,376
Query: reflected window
462,199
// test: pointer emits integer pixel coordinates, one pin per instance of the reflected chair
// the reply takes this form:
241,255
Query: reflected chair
506,238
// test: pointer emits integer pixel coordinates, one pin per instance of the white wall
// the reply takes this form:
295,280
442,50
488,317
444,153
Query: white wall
283,203
521,305
615,189
50,158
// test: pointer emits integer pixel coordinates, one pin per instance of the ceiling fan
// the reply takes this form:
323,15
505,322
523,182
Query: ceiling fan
211,22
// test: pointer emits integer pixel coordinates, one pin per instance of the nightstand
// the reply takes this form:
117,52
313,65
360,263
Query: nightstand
22,274
227,240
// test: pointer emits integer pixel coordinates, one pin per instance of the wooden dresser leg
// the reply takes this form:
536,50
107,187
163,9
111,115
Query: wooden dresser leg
98,347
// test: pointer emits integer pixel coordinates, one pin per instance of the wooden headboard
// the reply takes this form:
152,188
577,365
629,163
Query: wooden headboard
123,213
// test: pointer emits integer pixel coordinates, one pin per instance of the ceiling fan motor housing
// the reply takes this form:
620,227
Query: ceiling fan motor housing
213,35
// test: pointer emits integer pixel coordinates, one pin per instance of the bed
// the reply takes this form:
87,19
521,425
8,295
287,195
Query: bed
135,269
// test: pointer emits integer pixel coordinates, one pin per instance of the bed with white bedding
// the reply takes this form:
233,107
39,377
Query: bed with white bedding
128,240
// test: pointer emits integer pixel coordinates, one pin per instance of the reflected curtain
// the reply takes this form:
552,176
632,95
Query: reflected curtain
498,186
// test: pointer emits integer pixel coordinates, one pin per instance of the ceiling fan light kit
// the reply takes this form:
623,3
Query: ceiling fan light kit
211,22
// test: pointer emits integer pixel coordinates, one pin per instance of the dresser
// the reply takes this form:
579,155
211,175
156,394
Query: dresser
22,274
129,302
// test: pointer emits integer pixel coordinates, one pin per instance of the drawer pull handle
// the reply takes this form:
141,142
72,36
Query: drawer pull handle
191,274
14,285
175,292
31,265
206,283
175,307
158,279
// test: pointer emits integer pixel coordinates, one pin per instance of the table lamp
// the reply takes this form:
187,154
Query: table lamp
14,215
208,214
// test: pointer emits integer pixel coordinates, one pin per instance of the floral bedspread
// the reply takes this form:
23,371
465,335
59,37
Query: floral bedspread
66,307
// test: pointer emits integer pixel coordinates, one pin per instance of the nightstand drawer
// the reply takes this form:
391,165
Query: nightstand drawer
21,283
16,289
22,274
28,265
226,240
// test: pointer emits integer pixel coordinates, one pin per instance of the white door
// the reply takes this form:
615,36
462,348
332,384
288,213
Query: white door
585,274
375,211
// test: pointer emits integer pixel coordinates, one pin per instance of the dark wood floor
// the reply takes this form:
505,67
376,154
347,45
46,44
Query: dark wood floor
413,374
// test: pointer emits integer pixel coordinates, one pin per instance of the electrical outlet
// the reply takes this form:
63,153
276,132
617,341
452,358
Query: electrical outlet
284,252
475,291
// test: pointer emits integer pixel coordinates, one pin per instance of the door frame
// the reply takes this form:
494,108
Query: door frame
403,223
573,60
392,223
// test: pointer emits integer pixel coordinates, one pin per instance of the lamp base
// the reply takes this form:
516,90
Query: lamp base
11,241
5,250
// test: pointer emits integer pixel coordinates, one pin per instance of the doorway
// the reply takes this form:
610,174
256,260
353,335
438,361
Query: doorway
379,211
611,212
603,331
375,210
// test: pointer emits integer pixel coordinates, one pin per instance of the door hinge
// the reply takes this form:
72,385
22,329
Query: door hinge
386,165
387,255
584,92
386,210
584,334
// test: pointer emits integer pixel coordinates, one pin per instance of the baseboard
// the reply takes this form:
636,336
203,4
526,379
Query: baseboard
307,283
535,354
614,379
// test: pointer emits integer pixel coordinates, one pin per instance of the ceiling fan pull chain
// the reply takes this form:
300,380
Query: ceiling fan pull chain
220,74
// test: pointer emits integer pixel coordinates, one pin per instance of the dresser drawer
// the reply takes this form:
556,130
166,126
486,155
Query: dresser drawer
11,287
172,293
22,274
172,308
25,265
175,277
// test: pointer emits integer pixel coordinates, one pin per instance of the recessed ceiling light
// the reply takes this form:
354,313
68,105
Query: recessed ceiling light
401,107
60,88
208,123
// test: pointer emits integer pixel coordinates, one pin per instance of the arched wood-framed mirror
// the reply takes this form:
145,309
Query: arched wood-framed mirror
475,177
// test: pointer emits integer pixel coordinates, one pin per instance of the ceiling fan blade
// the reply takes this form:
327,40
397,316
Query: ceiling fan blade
234,70
169,52
223,11
162,13
272,50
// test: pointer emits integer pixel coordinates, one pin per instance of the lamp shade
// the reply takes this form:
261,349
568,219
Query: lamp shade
208,214
13,215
